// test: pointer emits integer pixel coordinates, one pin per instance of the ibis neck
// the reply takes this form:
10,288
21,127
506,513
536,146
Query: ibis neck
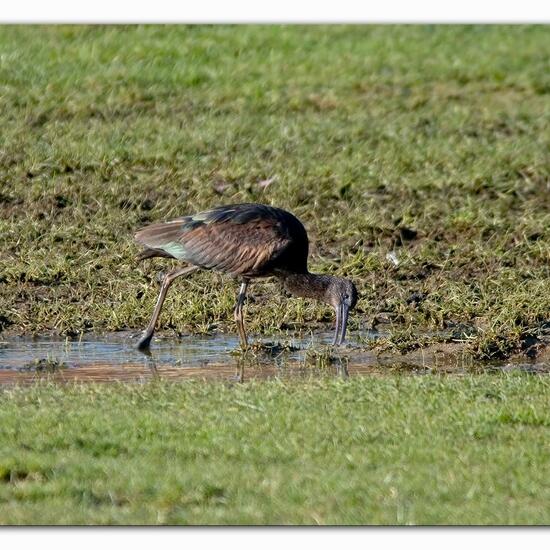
307,285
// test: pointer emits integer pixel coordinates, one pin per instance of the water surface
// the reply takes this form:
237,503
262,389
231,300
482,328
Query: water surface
111,357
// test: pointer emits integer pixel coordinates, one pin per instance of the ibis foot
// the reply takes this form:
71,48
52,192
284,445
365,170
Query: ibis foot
144,343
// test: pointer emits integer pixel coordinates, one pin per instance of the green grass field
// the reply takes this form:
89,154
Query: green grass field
399,450
432,142
428,142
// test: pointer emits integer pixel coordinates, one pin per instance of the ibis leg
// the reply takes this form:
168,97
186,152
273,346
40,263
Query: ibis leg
238,312
145,340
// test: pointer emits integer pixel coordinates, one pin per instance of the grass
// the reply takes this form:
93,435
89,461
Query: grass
418,159
431,142
391,450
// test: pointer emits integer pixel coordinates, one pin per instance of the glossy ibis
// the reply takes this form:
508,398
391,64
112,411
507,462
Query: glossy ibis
247,241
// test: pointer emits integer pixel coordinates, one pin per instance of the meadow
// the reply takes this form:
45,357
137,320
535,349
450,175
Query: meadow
378,450
428,142
417,157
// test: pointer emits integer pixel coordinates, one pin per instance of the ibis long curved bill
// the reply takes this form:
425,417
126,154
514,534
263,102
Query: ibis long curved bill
342,313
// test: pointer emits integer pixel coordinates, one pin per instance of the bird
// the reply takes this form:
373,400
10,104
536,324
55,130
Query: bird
247,241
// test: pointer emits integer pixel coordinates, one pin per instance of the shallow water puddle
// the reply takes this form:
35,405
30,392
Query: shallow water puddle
112,357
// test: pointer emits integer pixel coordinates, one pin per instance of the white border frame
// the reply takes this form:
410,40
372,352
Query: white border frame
281,11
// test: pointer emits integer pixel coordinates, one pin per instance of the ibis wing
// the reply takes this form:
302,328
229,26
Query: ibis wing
239,250
234,241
